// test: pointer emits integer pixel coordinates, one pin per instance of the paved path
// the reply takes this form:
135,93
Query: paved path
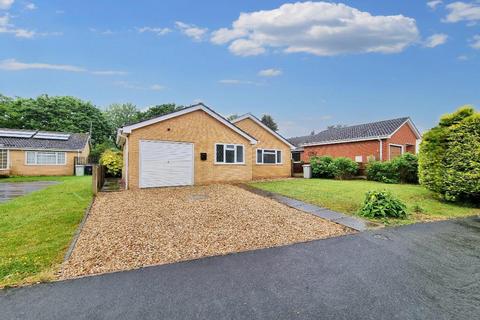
423,271
10,190
334,216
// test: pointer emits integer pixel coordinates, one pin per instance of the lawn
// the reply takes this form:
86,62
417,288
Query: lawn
347,196
36,229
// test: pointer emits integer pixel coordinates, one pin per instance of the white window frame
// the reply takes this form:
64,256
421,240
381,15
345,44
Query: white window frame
8,160
395,145
276,157
225,153
46,164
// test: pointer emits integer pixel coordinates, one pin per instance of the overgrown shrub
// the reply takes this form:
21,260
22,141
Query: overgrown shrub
345,168
382,204
449,159
403,169
322,167
113,161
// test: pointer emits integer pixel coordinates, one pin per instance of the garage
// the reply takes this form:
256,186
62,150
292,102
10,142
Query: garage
166,163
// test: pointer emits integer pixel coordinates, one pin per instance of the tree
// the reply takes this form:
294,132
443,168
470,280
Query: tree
269,122
120,114
57,113
232,117
449,158
159,110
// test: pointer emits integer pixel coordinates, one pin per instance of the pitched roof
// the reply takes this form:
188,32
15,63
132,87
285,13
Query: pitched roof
366,131
195,107
260,123
42,140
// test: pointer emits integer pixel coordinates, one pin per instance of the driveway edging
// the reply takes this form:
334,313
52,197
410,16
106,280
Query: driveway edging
333,216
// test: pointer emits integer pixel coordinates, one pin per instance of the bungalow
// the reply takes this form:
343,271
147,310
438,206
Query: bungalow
196,145
382,140
40,153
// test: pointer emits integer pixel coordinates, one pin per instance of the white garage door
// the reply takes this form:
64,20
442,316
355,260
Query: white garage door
165,164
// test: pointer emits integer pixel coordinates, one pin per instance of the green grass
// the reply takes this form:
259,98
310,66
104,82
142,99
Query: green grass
347,196
36,229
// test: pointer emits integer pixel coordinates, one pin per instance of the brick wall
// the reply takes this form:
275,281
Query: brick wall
204,131
266,140
404,136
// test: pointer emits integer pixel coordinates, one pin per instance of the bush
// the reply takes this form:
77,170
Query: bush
403,169
322,167
345,168
113,161
449,159
382,204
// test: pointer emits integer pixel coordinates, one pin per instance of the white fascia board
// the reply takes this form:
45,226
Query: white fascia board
128,129
260,123
343,141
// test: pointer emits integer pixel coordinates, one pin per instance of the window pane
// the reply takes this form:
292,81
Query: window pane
46,158
230,147
279,156
259,156
3,159
296,156
240,154
30,157
220,153
268,157
60,157
230,156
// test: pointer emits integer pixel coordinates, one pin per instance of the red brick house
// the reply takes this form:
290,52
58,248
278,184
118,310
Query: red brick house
382,140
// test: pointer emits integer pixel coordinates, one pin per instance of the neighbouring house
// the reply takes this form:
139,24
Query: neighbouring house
40,153
196,145
382,140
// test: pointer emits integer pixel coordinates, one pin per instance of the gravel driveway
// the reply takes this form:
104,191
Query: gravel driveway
132,229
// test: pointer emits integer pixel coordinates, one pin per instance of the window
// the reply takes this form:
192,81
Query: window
3,159
45,158
359,159
229,153
296,156
266,156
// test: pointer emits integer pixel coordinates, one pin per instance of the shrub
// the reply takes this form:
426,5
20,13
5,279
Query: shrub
402,169
382,204
322,167
113,161
345,168
449,159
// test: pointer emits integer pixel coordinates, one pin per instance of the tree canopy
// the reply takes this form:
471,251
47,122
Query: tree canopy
54,113
269,122
120,114
449,158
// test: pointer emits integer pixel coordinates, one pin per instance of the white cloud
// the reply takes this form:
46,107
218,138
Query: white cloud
6,4
9,28
128,85
475,42
434,4
236,81
270,72
320,28
192,31
461,11
462,57
14,65
30,6
435,40
155,30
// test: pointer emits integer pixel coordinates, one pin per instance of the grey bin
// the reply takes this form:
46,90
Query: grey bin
79,170
307,171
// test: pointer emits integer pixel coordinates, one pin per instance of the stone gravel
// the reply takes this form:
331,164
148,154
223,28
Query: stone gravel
133,229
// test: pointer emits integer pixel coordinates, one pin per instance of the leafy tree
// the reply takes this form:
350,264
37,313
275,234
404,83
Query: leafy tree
449,158
113,161
159,110
232,117
269,122
57,113
120,114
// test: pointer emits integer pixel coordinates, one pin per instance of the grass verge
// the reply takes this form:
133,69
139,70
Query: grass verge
36,229
347,197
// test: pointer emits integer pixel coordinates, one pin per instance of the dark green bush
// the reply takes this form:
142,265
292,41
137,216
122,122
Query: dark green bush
322,167
382,204
449,159
345,168
403,169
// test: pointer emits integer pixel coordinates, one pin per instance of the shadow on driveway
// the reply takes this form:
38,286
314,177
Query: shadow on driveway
421,271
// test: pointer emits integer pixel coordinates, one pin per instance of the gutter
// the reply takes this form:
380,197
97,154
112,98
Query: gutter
381,148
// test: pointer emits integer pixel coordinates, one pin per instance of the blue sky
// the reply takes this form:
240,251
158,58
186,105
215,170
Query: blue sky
308,64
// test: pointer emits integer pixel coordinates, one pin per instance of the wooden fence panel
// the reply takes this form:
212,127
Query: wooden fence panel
98,178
